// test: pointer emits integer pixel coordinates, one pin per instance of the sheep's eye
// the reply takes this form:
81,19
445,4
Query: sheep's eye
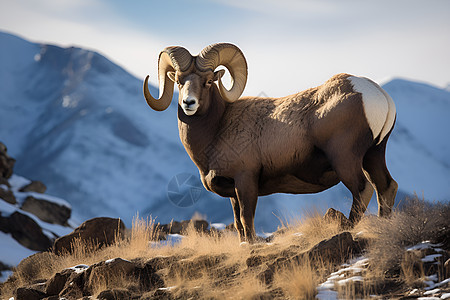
209,81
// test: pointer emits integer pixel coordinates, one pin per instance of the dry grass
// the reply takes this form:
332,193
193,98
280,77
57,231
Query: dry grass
216,266
299,280
415,222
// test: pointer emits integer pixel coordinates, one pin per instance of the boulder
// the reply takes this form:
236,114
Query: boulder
28,269
336,249
102,231
176,227
114,294
7,195
6,162
29,293
57,283
333,215
26,231
34,186
46,210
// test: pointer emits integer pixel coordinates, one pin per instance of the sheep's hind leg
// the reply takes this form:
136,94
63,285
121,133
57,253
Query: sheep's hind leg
237,217
350,172
385,186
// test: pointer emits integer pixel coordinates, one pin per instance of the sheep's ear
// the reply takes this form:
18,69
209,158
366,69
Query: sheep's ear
218,74
171,76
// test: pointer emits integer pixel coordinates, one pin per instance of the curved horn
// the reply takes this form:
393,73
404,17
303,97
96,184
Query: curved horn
170,59
232,58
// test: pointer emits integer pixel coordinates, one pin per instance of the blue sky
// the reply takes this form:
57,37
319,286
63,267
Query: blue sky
290,45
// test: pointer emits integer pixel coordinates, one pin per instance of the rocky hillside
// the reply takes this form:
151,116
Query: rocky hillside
404,257
30,220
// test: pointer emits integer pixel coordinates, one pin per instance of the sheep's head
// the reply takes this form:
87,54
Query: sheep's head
195,76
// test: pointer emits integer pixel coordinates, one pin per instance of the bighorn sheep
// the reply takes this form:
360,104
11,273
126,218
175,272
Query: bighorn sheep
303,143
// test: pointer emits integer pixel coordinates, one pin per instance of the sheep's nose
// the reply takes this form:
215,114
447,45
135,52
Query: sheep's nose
189,101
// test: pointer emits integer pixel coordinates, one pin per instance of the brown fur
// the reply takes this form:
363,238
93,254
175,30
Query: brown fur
303,143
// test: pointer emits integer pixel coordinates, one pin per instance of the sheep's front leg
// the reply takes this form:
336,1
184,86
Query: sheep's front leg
237,217
246,187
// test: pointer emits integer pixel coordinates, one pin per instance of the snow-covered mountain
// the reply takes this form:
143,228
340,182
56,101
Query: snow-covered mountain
79,123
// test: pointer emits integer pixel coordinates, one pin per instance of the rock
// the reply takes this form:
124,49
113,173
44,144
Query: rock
114,294
333,215
29,293
254,261
157,295
6,162
336,249
201,225
98,230
56,284
34,186
26,231
230,227
160,262
46,210
5,182
7,195
175,227
74,286
27,269
266,276
148,278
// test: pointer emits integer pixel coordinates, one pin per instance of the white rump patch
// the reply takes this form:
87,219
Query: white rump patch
378,106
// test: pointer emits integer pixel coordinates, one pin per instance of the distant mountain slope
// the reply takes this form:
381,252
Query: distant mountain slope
79,123
418,151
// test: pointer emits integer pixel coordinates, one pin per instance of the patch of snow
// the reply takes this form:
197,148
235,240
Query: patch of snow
423,245
431,257
53,199
265,234
297,234
325,290
5,275
443,282
18,182
431,292
429,298
218,226
171,240
327,295
350,279
413,291
114,259
168,288
445,296
11,251
79,268
6,209
430,281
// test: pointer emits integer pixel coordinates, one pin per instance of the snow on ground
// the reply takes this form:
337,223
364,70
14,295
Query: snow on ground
326,290
7,209
11,251
353,272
